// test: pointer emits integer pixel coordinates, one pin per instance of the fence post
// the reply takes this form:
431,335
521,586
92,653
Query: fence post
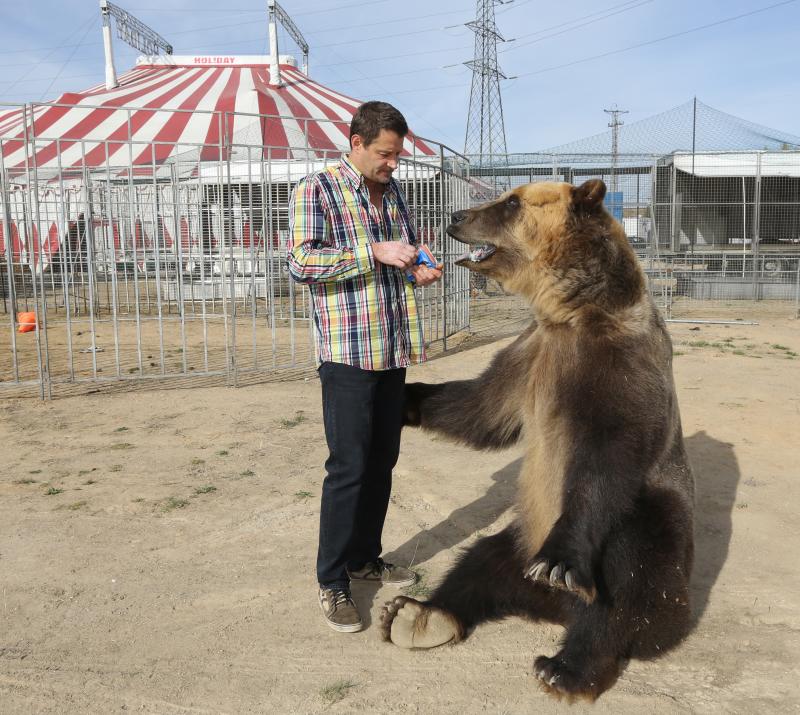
31,236
9,241
757,287
797,291
443,235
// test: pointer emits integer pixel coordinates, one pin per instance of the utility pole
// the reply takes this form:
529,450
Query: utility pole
485,142
615,124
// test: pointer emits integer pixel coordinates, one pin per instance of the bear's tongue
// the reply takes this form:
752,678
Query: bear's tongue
477,254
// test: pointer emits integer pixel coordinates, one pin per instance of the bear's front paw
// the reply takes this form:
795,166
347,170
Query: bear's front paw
573,680
563,572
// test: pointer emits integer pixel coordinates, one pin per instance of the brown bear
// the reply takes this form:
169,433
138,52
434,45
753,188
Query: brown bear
602,541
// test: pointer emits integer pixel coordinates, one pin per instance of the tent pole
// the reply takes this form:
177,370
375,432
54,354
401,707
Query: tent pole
111,72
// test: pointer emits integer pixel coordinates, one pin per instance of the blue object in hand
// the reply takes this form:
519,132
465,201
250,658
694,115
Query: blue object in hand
424,258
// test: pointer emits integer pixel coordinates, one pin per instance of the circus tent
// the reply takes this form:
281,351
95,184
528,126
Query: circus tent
205,118
170,105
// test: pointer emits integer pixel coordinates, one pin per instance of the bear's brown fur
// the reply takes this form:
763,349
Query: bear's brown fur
603,538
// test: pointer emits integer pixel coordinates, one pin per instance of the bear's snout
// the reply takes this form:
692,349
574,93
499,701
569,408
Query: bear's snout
458,217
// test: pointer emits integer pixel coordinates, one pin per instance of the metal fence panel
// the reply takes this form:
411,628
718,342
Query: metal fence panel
142,268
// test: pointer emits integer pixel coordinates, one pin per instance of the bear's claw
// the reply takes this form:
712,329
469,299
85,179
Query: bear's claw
564,576
572,680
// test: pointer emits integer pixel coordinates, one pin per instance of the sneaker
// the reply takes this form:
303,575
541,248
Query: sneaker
388,574
339,610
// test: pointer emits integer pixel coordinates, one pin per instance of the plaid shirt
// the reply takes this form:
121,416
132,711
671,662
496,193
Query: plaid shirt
365,313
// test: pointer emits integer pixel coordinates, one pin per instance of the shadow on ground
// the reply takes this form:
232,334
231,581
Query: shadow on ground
717,475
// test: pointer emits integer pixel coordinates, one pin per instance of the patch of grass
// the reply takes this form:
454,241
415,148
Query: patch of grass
303,496
298,418
420,589
121,445
86,471
337,691
90,481
138,500
25,481
121,429
223,453
776,346
247,473
174,503
35,471
676,353
76,505
739,352
698,343
741,505
115,468
207,489
53,490
197,462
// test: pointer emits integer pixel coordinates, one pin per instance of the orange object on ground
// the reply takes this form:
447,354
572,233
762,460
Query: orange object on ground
27,322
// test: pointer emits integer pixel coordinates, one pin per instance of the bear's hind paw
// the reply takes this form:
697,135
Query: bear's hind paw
564,576
411,624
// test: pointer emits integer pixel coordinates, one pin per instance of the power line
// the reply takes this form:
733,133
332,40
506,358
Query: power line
656,40
625,7
23,76
244,11
69,59
390,95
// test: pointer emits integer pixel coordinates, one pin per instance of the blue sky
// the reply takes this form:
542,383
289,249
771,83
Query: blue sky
410,54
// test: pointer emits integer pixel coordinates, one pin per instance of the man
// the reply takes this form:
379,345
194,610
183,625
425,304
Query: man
353,243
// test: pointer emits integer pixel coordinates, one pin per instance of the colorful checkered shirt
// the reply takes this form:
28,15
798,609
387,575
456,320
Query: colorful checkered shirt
365,313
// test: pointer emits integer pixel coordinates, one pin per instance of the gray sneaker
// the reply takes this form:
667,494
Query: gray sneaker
385,573
339,610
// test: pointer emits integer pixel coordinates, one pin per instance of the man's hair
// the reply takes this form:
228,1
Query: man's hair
371,117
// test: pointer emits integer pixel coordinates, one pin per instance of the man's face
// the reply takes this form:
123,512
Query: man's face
378,160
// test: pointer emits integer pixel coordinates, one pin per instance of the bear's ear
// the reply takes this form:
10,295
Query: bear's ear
589,195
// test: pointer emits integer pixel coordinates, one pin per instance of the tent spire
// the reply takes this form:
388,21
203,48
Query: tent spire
132,31
278,14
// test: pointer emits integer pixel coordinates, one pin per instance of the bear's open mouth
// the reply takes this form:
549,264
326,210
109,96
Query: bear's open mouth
477,254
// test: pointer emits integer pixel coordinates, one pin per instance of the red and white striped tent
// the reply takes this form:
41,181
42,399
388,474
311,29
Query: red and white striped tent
169,104
213,116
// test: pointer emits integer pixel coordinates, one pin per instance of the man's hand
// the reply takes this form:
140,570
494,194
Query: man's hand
425,275
394,253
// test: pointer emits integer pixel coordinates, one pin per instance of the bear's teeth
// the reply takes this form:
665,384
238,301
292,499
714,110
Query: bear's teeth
481,253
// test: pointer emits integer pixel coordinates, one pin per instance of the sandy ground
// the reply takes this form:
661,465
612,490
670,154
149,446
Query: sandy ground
157,552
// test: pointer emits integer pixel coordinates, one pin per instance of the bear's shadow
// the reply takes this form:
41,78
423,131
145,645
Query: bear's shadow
716,472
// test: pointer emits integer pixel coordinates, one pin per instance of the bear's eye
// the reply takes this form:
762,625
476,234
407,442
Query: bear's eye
512,201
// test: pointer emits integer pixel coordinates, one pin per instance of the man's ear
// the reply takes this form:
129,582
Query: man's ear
589,195
356,141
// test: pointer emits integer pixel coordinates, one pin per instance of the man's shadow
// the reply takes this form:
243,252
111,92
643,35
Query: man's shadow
448,533
716,473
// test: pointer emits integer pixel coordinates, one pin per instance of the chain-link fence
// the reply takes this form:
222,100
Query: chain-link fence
175,268
141,270
712,229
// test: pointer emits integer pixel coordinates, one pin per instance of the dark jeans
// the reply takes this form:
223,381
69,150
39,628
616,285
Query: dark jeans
362,411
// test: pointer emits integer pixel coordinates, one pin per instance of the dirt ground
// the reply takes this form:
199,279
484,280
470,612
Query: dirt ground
157,552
